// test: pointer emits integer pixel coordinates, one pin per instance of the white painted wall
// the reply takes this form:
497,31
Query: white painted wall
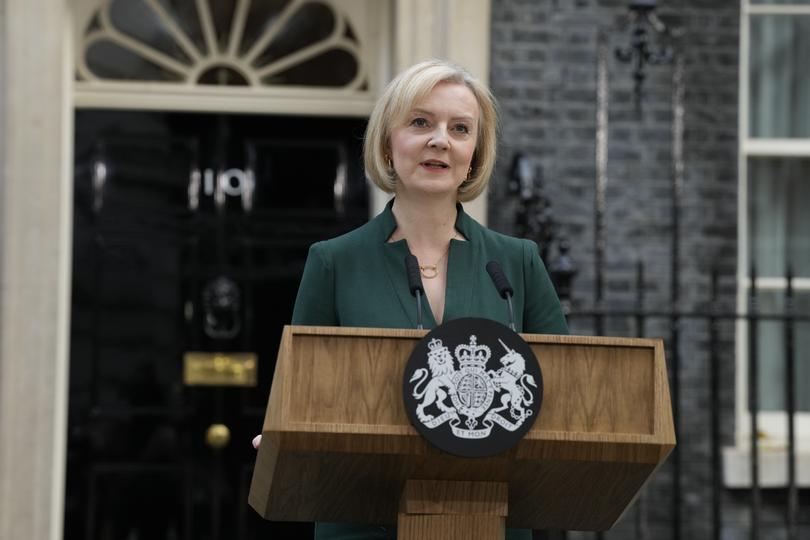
35,218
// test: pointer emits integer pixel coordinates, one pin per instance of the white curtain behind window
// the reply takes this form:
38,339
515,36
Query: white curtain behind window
779,79
779,216
779,231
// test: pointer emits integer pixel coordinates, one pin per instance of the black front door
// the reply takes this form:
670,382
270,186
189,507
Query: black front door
190,235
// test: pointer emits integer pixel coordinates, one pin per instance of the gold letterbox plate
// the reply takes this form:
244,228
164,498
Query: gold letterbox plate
219,369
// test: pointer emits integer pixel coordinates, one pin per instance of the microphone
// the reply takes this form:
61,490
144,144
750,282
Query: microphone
415,285
504,288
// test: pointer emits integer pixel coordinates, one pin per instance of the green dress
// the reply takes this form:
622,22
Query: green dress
359,279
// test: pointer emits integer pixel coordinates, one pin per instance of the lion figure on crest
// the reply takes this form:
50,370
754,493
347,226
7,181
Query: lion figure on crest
513,379
440,385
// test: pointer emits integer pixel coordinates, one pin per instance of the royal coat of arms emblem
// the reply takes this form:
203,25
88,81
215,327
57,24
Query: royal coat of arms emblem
471,391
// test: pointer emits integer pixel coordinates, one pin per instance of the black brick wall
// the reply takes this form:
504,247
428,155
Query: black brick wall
543,72
544,76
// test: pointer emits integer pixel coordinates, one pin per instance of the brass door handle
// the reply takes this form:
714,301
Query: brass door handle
217,436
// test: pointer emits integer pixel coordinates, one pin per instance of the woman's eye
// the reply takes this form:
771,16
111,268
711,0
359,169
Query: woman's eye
462,128
419,122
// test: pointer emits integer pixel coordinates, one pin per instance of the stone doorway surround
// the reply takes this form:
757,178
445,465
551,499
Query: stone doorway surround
35,244
36,153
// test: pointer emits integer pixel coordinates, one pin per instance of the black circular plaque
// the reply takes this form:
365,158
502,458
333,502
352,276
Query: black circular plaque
472,387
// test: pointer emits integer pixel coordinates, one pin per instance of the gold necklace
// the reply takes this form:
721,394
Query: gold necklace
430,271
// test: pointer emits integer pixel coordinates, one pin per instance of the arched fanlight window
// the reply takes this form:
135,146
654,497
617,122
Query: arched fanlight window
247,43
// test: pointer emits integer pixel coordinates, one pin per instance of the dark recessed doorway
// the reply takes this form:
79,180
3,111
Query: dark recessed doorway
190,234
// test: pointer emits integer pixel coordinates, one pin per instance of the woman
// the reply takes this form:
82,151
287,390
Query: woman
430,142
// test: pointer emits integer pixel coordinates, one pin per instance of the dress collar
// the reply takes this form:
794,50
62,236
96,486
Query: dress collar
388,223
462,257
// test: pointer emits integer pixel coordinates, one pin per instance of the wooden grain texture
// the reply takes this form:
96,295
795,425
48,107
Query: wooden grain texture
355,387
453,527
458,497
596,389
664,422
343,448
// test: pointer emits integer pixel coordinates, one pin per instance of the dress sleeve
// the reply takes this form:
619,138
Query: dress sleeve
543,313
315,302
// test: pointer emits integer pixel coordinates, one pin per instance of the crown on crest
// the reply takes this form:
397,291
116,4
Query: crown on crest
436,347
473,355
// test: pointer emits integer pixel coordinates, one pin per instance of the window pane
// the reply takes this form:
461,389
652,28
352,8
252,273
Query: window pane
185,15
309,25
779,81
109,60
771,352
332,68
261,17
778,220
137,19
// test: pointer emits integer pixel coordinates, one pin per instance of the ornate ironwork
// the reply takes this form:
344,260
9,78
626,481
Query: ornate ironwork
648,46
534,219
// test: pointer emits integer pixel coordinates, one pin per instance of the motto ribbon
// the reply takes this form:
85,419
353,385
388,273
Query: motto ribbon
489,422
442,418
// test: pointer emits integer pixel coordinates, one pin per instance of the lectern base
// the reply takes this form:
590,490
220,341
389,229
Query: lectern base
457,527
446,510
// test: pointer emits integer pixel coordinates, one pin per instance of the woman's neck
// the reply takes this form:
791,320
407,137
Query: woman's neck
429,223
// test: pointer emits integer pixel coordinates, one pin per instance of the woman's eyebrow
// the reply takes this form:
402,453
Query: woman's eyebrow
426,112
421,111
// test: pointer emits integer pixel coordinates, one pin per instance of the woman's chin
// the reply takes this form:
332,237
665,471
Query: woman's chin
433,187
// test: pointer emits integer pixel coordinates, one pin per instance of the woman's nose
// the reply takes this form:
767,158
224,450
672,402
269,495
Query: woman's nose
438,139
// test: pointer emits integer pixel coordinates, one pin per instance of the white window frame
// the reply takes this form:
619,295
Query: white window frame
371,21
772,425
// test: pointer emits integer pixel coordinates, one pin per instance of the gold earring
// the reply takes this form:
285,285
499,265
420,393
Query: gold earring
392,172
469,172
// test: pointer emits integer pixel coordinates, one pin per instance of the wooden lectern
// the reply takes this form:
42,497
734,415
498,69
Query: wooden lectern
337,444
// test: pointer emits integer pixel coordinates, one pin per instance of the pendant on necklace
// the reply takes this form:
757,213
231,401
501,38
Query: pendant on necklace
429,271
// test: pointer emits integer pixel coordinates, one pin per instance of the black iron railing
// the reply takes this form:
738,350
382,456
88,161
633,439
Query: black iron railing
637,319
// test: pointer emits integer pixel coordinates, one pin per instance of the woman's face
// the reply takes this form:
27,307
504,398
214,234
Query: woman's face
433,147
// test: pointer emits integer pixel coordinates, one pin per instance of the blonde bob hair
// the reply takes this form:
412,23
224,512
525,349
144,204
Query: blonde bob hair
400,96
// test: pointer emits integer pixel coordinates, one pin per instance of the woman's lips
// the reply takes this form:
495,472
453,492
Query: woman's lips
434,166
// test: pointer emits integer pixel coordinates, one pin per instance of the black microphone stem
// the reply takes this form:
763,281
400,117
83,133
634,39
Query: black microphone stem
415,285
419,310
511,312
504,288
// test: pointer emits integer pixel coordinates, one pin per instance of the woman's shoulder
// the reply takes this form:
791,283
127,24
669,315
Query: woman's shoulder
498,240
352,241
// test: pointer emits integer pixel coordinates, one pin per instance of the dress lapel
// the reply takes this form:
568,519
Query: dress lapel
462,268
394,261
394,255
